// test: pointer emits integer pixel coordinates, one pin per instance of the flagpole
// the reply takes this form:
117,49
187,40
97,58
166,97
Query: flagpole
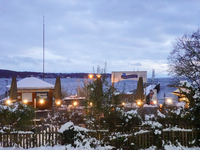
43,45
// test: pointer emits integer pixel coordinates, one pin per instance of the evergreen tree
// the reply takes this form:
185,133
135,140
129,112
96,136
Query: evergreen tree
17,117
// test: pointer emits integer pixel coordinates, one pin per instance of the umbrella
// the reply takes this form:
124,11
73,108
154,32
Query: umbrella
13,89
139,95
57,89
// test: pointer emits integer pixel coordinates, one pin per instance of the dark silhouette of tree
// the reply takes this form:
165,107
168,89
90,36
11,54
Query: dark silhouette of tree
184,60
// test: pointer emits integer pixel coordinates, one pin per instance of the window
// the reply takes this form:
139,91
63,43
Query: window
42,95
27,96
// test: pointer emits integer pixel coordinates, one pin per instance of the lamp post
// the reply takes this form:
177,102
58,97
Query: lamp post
75,103
164,98
6,88
34,105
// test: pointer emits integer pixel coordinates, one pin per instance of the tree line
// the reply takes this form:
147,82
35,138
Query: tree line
23,74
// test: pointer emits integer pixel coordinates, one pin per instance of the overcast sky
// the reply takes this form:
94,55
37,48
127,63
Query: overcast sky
82,34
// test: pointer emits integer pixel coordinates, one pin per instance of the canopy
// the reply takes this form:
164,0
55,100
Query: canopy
13,89
57,94
140,90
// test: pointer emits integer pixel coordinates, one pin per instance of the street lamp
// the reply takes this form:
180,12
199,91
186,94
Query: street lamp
90,76
98,76
75,103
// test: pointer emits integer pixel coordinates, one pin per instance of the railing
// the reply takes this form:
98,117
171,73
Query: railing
2,96
136,140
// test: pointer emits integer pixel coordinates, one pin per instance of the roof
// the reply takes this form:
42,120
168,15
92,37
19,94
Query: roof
180,92
74,97
33,83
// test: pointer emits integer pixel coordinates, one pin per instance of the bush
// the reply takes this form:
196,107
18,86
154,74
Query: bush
16,117
77,136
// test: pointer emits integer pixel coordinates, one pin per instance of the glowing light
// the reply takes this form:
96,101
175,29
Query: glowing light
41,101
90,76
169,101
123,103
25,101
75,103
58,102
139,103
98,76
155,102
8,101
91,104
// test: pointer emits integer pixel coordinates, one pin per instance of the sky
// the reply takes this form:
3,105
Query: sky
126,35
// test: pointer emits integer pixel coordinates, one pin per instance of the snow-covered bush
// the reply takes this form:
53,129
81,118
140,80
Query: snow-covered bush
77,136
193,96
16,117
59,117
174,115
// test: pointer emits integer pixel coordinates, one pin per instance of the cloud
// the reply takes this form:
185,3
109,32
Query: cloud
127,35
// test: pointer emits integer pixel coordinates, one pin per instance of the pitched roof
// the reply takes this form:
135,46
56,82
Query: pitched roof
33,83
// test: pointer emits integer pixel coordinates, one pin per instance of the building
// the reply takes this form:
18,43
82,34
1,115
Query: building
181,96
35,92
74,100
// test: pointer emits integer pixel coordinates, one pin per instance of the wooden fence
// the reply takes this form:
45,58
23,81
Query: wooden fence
136,140
47,137
147,138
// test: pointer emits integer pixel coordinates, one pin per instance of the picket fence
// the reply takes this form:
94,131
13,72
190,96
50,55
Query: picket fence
48,137
138,140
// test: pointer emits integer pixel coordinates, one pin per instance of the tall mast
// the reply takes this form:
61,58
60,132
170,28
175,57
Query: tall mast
43,45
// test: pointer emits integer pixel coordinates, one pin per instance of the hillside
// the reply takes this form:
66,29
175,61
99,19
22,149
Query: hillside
10,74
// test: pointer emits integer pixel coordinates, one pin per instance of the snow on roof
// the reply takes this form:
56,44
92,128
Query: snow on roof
74,97
149,88
181,90
33,83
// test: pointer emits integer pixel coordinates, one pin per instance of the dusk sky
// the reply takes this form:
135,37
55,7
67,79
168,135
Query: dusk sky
81,34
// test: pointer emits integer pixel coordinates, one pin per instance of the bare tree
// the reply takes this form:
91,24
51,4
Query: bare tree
184,60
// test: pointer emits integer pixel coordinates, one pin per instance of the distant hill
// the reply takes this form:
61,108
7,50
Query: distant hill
23,74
